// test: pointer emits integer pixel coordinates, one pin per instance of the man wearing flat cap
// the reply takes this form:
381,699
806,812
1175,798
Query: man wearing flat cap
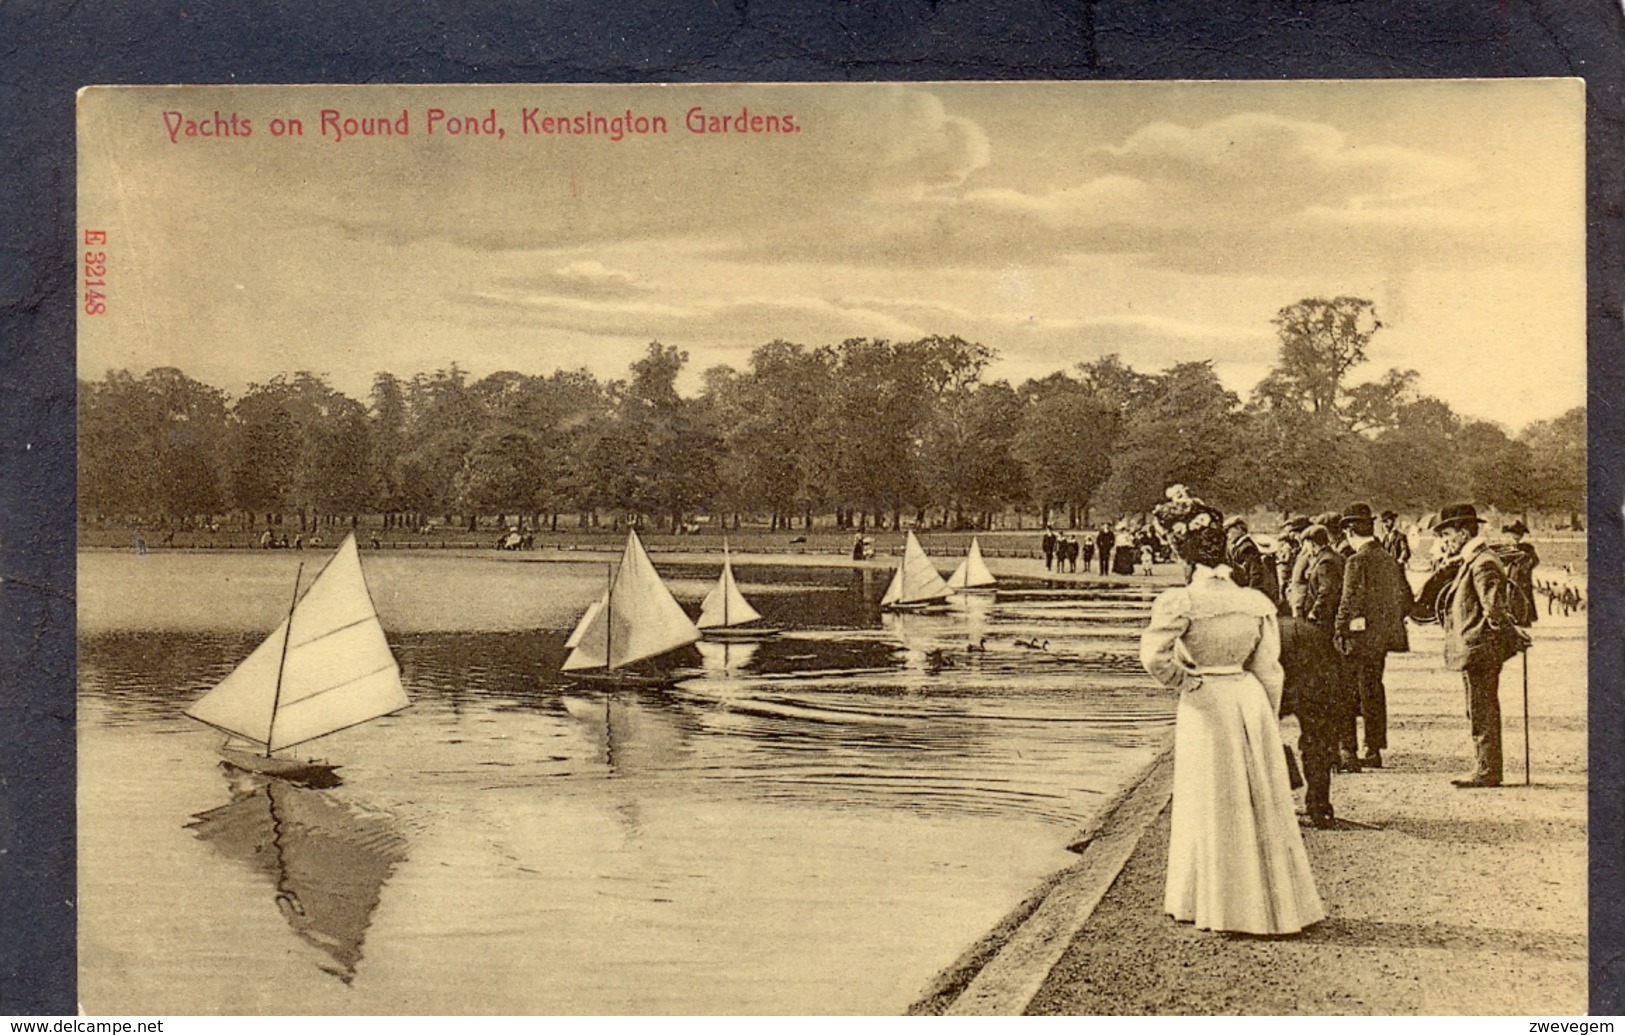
1370,624
1478,634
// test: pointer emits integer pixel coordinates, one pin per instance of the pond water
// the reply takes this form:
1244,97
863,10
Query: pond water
816,824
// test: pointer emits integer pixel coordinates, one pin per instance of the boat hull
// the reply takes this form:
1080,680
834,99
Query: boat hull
738,633
311,774
926,607
621,679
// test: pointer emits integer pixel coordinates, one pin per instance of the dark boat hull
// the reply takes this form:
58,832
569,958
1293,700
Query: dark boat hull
311,774
926,607
621,679
738,633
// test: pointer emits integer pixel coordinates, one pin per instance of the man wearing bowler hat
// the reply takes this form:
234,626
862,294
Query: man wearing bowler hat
1370,623
1477,632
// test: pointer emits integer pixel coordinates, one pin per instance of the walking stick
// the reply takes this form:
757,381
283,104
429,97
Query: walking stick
1526,718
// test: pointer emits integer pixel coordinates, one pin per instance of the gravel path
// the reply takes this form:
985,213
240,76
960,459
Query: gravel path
1441,901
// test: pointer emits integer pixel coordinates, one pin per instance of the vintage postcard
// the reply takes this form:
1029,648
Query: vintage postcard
940,548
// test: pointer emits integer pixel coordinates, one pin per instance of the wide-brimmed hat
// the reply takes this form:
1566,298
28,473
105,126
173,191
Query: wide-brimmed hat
1516,528
1297,524
1354,513
1327,519
1318,535
1390,516
1236,522
1458,515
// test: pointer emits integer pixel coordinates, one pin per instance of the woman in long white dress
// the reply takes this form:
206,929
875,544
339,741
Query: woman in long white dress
1236,860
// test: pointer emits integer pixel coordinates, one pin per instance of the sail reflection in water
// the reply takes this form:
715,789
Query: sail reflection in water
327,860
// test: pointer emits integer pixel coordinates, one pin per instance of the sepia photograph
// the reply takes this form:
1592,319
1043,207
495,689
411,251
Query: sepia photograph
972,548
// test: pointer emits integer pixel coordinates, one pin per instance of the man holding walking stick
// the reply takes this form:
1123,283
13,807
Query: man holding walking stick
1479,635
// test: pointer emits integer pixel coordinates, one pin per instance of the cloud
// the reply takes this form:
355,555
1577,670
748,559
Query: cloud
1248,192
739,322
585,279
1265,163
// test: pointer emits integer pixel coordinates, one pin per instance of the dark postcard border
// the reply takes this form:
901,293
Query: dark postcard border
49,48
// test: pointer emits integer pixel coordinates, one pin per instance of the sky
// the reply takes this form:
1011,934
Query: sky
1053,222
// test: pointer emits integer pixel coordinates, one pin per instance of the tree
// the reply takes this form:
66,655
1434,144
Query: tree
1557,456
1496,469
301,445
1290,460
979,469
1321,341
1416,462
1065,442
151,446
501,473
1182,434
669,456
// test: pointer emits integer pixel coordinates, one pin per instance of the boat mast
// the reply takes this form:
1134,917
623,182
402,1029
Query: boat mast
609,614
727,570
276,697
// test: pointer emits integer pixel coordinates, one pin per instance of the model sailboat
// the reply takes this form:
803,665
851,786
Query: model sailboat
972,573
917,585
327,667
725,614
636,619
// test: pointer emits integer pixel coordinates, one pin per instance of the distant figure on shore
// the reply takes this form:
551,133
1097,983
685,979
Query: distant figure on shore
265,539
1124,553
1236,860
1104,541
1479,635
1048,543
1146,557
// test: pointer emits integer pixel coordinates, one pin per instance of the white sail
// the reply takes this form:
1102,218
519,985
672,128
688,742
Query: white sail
641,618
336,668
972,572
725,606
917,580
586,620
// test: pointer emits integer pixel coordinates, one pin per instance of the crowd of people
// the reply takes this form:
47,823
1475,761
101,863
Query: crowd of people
1305,627
1117,550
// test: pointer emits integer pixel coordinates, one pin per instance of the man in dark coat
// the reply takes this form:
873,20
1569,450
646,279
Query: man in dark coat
1521,574
1394,540
1049,542
1478,635
1104,541
1370,623
1288,573
1313,671
1248,566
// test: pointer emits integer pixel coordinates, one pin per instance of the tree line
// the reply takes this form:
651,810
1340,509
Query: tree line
861,434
